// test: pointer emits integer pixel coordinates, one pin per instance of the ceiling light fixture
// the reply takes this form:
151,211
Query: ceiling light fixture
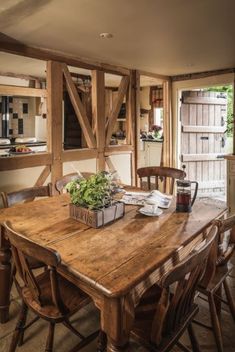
106,35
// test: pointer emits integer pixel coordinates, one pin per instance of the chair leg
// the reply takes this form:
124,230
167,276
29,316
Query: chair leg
102,342
193,339
50,338
19,328
21,336
229,298
215,323
218,303
71,328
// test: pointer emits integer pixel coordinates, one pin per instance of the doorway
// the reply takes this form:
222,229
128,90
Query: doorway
205,116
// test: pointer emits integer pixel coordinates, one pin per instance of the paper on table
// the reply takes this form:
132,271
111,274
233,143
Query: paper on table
154,197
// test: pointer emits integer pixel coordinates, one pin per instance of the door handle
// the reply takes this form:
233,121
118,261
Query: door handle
222,142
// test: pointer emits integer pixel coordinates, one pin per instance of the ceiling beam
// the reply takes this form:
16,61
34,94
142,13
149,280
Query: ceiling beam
154,75
12,46
196,75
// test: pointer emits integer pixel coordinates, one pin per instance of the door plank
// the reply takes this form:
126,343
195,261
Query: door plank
207,129
205,100
202,157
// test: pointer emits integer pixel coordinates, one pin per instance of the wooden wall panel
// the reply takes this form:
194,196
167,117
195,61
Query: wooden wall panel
54,117
98,113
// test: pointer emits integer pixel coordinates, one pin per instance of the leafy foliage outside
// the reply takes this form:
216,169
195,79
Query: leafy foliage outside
93,193
230,116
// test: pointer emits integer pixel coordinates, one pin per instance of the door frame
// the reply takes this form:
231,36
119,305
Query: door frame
177,88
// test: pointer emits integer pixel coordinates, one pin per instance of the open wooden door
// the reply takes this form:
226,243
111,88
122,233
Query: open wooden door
203,126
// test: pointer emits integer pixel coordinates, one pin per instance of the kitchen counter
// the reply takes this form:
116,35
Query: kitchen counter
34,144
39,146
152,140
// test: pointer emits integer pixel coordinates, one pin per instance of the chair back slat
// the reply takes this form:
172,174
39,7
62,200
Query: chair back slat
22,249
149,182
227,225
26,194
178,291
61,183
162,173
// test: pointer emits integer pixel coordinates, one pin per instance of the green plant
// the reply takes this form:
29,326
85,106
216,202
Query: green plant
92,193
228,90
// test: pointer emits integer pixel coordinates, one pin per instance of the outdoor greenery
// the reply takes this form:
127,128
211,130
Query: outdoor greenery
93,193
230,117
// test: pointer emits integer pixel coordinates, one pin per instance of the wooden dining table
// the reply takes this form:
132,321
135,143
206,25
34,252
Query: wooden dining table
115,264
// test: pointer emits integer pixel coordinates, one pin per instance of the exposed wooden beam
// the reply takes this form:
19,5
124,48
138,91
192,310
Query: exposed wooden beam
234,116
116,108
79,108
81,154
118,149
137,124
54,117
22,91
22,76
196,75
43,176
25,161
12,46
98,113
131,122
167,125
154,75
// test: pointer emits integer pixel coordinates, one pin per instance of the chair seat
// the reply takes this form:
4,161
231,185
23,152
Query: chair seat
72,298
220,274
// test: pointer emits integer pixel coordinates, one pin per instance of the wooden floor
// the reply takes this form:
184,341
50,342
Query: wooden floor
88,320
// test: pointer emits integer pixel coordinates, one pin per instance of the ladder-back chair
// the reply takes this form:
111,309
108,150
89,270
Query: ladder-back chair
216,277
49,295
62,182
161,175
167,309
26,194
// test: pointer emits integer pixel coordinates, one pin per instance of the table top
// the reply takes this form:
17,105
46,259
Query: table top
117,256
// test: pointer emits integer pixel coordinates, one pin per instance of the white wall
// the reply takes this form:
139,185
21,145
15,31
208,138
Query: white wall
81,165
122,164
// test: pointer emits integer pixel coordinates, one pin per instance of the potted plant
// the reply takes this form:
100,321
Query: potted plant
156,131
92,202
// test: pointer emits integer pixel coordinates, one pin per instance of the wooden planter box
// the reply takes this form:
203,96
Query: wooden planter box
97,218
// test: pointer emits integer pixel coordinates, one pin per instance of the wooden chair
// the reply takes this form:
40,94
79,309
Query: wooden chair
26,194
62,182
217,272
160,175
166,310
49,295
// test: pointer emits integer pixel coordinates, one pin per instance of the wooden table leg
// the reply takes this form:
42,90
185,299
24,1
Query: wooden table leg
117,316
5,277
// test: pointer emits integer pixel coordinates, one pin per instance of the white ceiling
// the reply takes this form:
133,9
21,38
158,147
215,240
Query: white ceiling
162,36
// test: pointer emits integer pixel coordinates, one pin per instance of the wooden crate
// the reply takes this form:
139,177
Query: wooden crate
97,218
